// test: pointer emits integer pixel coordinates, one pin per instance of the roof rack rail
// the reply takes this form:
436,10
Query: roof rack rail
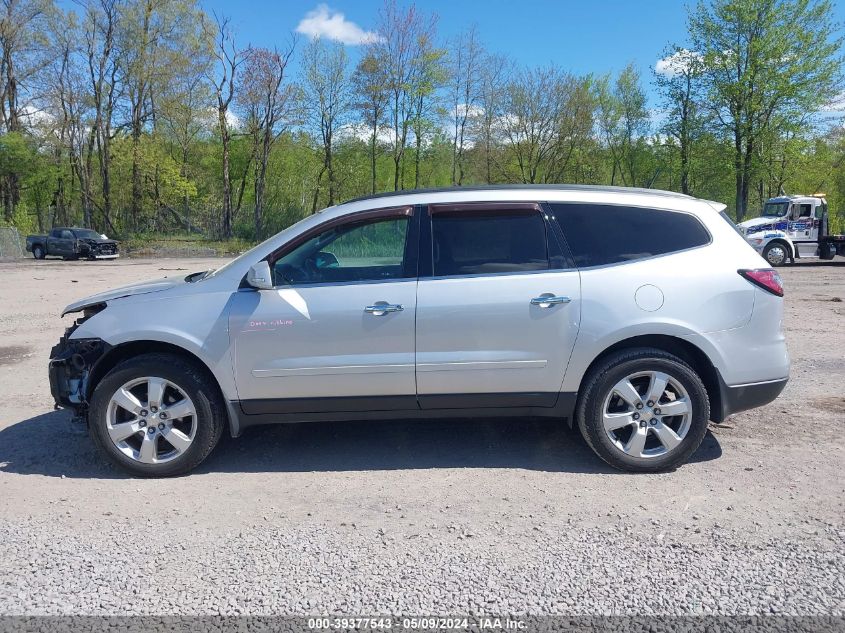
529,187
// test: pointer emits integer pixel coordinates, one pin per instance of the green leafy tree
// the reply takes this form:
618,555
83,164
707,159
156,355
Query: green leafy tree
624,122
371,94
764,61
679,79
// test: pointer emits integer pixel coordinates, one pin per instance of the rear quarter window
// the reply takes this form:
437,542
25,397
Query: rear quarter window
598,235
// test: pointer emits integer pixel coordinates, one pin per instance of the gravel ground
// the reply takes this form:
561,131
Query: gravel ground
497,516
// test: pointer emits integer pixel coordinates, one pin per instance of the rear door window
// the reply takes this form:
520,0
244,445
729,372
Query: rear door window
488,242
598,235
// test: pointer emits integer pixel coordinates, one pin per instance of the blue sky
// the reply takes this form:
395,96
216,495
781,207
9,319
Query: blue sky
581,36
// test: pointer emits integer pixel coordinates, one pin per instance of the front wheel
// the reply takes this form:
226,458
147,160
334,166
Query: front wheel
776,254
643,410
156,415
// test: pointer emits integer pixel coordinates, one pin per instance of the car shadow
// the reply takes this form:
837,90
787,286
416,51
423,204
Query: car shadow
51,445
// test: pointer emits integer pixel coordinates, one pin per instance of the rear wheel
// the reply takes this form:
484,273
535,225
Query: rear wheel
38,252
156,415
643,410
776,253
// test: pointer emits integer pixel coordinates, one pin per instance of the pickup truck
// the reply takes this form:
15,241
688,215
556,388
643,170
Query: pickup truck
71,243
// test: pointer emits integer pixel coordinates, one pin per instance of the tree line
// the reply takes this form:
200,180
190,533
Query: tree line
153,116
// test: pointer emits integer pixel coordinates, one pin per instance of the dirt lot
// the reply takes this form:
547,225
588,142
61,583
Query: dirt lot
424,517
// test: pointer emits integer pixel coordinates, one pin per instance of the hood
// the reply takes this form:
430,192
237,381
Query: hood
760,222
144,287
98,240
756,225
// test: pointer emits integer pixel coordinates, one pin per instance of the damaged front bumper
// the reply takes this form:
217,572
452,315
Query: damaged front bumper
71,362
99,250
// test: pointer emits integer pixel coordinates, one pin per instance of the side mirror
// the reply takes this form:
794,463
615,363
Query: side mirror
259,276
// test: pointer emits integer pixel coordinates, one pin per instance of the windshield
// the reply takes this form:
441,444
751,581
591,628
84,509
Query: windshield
87,234
250,253
775,209
226,266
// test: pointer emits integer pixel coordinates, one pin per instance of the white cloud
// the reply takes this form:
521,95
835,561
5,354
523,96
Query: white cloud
364,133
333,25
36,117
208,120
676,63
472,111
233,120
837,105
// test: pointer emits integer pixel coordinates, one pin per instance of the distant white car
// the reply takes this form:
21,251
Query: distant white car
637,314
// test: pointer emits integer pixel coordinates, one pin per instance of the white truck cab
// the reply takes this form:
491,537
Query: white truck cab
788,229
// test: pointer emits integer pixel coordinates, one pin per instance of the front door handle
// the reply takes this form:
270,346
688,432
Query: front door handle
380,308
548,300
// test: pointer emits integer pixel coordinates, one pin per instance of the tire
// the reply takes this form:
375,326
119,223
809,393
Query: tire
776,254
38,252
183,384
640,366
827,251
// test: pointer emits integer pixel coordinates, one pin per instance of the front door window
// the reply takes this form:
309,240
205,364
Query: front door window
359,251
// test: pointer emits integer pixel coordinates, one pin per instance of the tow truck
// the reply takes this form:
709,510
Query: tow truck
793,227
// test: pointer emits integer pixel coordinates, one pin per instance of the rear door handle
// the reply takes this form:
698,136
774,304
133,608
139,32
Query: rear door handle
548,300
380,308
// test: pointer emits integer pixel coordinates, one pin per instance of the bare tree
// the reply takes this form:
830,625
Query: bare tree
467,55
532,109
401,33
229,58
270,108
575,125
328,101
492,80
371,89
103,64
74,132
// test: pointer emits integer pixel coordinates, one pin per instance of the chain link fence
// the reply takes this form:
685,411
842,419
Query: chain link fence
11,245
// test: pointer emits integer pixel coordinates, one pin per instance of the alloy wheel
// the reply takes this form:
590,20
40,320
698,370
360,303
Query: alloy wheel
151,420
647,414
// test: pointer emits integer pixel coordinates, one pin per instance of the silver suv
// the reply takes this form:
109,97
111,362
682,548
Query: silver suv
638,315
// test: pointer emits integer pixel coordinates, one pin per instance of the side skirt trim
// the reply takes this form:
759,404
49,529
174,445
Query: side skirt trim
247,413
328,405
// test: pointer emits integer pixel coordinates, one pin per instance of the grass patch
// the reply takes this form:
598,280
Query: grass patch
182,246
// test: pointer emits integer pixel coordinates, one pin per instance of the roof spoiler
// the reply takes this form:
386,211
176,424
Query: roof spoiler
718,206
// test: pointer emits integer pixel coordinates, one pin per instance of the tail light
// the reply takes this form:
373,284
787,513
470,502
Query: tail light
765,278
